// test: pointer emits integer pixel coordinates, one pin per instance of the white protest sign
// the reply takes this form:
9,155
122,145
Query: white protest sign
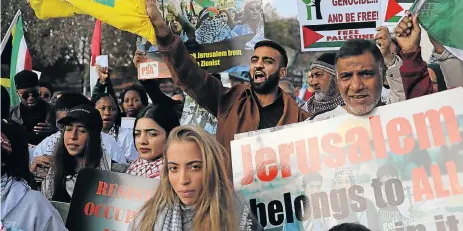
325,25
398,168
102,60
127,122
148,70
392,22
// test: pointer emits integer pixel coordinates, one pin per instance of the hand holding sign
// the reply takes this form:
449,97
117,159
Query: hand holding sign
408,33
139,57
102,73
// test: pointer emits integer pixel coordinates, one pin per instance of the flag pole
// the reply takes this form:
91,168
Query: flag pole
10,29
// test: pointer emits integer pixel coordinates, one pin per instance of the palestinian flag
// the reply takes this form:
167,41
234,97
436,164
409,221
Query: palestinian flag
15,56
442,20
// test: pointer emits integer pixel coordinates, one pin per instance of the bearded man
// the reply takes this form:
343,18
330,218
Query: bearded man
322,78
242,108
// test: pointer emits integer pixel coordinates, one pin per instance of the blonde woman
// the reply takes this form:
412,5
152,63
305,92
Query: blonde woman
195,192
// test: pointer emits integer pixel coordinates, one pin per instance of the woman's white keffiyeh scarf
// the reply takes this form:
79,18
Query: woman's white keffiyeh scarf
146,168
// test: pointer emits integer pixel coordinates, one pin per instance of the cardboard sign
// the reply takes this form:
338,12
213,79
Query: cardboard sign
325,25
127,122
104,200
398,168
102,60
148,70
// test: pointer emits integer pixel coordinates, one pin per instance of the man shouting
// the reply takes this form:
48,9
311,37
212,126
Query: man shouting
242,108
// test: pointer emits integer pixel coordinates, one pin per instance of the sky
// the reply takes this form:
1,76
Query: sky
286,8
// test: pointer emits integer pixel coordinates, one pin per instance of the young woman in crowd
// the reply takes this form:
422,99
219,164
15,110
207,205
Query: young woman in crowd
152,127
195,191
109,111
22,208
134,100
79,147
226,17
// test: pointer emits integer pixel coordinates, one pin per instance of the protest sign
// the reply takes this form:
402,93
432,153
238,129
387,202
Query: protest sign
148,70
325,25
102,60
127,123
398,168
107,201
193,114
392,22
152,55
220,35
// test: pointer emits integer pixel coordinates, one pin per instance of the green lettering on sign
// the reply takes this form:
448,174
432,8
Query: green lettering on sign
109,3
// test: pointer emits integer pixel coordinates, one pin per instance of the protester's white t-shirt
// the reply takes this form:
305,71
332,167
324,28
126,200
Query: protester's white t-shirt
125,140
108,143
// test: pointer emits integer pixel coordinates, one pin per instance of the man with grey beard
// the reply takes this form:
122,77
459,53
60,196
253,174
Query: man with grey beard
322,78
361,70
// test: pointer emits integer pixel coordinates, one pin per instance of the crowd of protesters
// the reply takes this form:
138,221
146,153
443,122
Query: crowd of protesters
45,142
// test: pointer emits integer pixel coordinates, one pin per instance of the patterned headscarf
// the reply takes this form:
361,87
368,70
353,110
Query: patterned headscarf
211,30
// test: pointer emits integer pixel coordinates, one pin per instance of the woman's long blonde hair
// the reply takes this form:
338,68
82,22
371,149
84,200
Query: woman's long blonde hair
214,209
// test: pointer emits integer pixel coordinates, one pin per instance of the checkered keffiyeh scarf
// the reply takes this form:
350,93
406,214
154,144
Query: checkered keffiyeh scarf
315,107
146,168
212,31
173,219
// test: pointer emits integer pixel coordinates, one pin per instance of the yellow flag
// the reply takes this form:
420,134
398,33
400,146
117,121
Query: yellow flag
127,15
45,9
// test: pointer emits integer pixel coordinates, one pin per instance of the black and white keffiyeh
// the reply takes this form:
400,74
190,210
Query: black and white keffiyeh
213,30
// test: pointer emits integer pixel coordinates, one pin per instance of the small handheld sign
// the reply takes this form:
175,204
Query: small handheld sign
148,70
102,60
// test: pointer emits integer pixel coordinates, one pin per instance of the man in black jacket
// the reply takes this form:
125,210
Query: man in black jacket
35,115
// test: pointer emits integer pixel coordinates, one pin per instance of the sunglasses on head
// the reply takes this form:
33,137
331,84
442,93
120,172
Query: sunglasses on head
25,95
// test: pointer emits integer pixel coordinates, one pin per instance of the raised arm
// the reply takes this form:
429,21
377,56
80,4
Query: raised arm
393,64
451,66
186,25
205,89
103,84
414,71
